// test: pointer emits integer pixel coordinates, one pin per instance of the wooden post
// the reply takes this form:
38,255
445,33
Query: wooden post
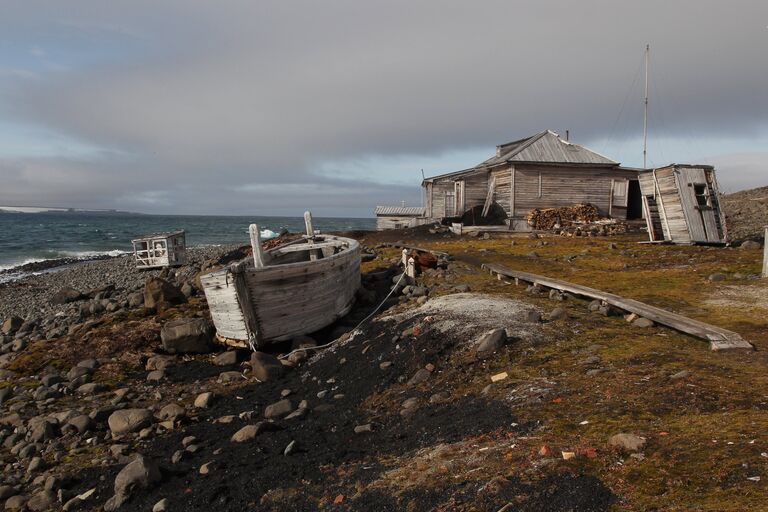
308,224
405,258
410,270
765,253
258,252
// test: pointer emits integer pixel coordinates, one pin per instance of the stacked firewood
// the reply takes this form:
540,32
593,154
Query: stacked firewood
558,218
596,229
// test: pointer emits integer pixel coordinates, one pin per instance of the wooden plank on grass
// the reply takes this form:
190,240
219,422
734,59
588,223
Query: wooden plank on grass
719,338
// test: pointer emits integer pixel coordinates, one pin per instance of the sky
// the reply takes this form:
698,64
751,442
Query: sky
272,108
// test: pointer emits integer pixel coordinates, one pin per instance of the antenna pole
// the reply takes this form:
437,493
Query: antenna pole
645,111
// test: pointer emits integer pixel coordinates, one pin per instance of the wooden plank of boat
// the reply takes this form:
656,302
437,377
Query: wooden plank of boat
306,247
719,338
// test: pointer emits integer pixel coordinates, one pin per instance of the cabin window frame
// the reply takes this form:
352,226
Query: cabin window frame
449,198
701,192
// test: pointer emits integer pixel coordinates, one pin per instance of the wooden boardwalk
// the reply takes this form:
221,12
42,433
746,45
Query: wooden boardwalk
719,339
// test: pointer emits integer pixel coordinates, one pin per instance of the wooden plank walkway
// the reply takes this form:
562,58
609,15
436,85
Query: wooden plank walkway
719,339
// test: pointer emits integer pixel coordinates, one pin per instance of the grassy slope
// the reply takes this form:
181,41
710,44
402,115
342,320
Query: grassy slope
706,433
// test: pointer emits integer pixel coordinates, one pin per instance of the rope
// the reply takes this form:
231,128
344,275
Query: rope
402,276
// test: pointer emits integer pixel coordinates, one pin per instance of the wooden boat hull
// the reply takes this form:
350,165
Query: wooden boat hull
283,301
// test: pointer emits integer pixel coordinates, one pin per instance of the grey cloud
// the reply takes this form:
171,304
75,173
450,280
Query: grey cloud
231,93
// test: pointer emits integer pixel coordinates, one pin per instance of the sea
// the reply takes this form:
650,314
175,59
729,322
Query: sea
38,237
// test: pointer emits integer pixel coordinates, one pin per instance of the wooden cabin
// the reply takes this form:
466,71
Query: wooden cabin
541,171
399,217
682,204
160,250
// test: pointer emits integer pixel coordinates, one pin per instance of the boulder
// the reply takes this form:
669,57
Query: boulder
82,423
160,294
141,473
187,336
125,421
11,325
627,442
266,366
135,300
642,322
67,295
490,342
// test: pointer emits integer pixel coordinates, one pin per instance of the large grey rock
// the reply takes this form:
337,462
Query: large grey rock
42,429
11,325
43,500
160,294
125,421
204,400
141,473
266,366
490,342
66,295
187,336
172,412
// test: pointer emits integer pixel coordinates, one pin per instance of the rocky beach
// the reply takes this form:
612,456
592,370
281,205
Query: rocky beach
463,392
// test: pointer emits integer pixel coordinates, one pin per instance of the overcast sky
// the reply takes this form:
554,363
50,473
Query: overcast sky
258,107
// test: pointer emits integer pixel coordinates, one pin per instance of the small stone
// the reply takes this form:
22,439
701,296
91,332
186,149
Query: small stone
278,409
680,375
172,412
204,400
420,376
364,429
558,314
533,317
266,367
385,365
206,468
490,342
290,448
642,322
155,376
161,506
628,442
285,392
227,358
231,376
717,276
129,420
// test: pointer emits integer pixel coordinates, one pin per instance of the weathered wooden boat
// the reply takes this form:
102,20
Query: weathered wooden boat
284,292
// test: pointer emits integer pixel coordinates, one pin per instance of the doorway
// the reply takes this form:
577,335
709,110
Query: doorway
634,201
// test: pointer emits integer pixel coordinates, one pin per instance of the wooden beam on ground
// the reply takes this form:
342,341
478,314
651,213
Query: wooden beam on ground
719,339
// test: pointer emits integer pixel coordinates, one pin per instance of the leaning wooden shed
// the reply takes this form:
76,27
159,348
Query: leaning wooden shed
159,250
399,217
541,171
682,204
284,292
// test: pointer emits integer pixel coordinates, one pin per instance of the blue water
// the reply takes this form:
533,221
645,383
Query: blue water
29,237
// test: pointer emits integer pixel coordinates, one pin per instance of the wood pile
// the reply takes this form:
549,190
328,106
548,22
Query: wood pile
556,218
595,229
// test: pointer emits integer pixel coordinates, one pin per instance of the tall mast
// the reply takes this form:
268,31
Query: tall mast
645,111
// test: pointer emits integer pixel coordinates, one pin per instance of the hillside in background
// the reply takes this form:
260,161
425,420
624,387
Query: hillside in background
746,213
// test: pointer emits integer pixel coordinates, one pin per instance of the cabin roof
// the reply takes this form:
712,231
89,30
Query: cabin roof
415,211
543,147
163,234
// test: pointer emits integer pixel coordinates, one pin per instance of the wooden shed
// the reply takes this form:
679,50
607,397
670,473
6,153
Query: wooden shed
160,250
682,204
399,217
541,171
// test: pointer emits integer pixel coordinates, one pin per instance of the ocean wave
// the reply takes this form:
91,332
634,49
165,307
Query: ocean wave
61,255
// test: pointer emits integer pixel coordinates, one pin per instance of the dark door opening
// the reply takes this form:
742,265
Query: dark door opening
634,201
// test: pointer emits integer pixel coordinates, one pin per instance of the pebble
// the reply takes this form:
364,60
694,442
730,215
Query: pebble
364,429
161,506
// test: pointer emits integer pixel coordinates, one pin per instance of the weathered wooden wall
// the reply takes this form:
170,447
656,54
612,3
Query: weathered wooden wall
392,222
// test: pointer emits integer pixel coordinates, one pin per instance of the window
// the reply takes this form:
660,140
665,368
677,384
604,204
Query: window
702,196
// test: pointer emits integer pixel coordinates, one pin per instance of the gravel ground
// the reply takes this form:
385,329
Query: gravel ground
30,297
